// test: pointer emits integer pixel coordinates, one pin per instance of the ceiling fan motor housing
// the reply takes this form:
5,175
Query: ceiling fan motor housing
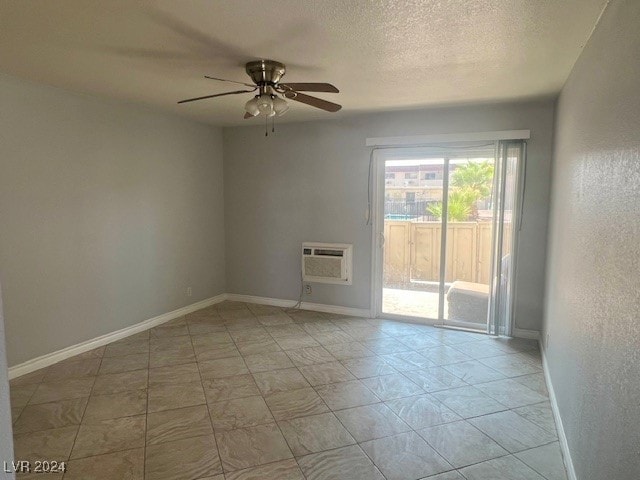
265,71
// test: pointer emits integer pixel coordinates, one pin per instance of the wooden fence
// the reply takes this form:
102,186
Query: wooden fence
412,252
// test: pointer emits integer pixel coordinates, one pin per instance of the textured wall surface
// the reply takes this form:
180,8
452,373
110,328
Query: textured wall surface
308,182
593,272
6,433
107,213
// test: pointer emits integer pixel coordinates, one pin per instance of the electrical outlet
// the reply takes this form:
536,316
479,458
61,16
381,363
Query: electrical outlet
307,289
189,291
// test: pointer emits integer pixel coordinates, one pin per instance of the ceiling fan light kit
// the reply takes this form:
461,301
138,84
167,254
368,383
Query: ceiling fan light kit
269,102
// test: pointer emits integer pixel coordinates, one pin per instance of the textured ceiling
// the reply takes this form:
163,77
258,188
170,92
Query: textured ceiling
381,54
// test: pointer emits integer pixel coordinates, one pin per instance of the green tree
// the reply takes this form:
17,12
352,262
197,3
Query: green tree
469,183
458,207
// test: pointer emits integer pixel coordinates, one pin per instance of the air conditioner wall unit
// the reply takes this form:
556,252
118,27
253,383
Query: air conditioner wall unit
327,263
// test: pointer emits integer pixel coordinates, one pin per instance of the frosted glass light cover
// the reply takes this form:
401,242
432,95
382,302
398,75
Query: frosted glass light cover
251,107
265,104
280,106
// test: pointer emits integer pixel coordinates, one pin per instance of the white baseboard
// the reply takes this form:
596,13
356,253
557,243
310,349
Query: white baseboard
55,357
524,333
318,307
564,445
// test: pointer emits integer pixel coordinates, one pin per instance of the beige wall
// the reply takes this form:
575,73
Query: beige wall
308,182
108,212
593,268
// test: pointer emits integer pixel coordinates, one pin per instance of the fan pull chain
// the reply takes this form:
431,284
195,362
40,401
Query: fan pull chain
273,124
266,126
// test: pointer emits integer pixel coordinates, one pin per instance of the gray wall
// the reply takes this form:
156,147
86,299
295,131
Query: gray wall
108,212
6,433
308,182
593,269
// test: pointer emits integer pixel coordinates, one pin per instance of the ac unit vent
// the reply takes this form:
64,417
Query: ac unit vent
327,263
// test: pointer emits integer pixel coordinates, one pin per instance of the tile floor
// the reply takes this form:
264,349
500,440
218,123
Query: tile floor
239,392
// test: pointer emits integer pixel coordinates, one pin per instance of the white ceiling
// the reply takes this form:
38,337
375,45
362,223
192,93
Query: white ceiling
382,55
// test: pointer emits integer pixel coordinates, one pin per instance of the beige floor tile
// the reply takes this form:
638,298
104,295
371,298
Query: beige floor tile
258,334
295,403
461,444
513,432
184,459
115,405
174,345
421,411
324,373
468,401
302,357
170,396
388,387
169,330
120,382
282,470
184,373
267,361
62,390
249,447
73,369
239,413
126,363
278,331
540,414
296,341
256,347
280,380
371,421
508,467
106,436
224,367
29,378
315,433
405,457
50,415
212,339
546,460
227,388
339,464
275,319
171,357
21,394
345,351
213,352
171,425
124,347
407,361
15,413
385,346
261,310
125,465
205,327
511,393
368,367
339,396
54,444
332,337
236,324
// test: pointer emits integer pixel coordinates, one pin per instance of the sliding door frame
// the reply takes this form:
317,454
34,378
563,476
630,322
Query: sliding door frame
379,155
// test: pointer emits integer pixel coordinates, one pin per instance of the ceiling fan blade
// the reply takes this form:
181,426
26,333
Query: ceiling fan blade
316,102
232,81
311,87
247,115
216,95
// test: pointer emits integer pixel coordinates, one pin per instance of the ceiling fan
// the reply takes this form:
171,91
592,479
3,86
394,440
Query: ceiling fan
271,93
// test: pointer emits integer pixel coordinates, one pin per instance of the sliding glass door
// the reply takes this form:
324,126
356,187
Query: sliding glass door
445,234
